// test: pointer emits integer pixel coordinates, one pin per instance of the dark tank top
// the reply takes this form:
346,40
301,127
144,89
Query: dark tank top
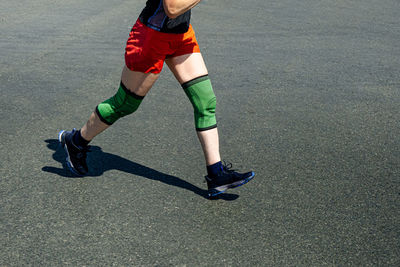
153,16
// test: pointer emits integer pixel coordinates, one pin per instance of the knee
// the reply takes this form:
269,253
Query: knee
123,103
202,97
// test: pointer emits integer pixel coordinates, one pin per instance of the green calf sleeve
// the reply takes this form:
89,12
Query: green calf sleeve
123,103
201,95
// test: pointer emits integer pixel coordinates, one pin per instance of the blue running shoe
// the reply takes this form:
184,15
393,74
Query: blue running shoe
226,179
76,156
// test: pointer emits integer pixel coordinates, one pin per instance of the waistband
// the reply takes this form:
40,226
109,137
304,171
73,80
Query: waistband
164,34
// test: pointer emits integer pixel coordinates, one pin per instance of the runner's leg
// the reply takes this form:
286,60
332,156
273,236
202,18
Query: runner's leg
186,68
136,82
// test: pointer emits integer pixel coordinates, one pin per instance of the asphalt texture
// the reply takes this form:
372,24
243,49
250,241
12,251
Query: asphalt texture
308,97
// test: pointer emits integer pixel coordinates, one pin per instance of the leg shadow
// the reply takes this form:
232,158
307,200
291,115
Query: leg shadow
101,162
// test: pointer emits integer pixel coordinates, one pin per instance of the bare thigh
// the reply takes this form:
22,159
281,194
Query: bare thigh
138,82
187,67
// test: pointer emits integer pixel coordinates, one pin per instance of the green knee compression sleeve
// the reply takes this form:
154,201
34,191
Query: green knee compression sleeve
123,103
201,95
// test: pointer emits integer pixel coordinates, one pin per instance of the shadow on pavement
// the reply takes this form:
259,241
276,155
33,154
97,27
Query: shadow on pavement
101,162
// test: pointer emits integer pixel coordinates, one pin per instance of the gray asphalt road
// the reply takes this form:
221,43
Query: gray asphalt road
308,97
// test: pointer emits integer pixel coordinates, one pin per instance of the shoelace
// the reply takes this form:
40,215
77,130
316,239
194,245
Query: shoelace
227,167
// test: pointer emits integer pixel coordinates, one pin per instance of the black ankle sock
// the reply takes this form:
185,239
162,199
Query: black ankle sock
79,140
214,169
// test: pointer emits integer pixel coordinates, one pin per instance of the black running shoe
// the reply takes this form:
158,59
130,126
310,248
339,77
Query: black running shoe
226,179
76,156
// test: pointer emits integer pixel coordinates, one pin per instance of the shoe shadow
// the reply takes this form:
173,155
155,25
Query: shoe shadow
101,162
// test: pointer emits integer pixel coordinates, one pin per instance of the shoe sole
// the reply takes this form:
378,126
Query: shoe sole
70,166
221,189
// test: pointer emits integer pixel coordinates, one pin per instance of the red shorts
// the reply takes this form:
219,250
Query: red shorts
147,49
